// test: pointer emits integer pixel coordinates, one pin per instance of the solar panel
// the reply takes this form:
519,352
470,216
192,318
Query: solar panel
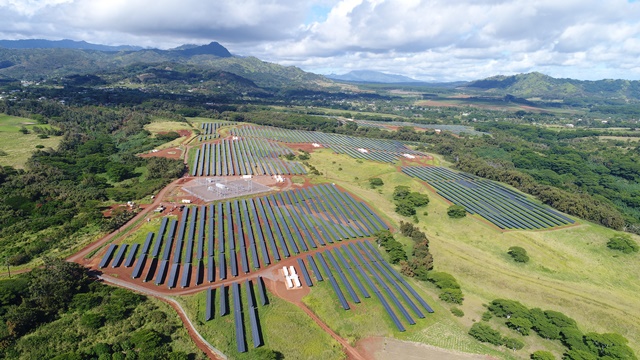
173,275
162,271
222,266
186,276
119,255
305,274
224,306
237,316
169,244
147,243
132,255
211,269
107,256
137,270
156,247
233,263
209,311
253,317
314,267
350,271
262,292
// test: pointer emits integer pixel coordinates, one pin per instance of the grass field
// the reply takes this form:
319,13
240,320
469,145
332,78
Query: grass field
285,328
17,146
571,270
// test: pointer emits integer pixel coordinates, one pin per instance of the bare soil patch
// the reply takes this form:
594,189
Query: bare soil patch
379,348
170,153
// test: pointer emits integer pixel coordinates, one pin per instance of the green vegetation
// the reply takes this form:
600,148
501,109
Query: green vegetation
542,355
57,310
375,182
518,254
407,201
456,211
392,246
623,243
457,312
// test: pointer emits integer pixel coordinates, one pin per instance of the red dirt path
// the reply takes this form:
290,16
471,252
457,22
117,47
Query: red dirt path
171,153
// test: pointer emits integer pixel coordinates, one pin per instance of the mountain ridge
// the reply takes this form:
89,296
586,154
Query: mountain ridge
371,76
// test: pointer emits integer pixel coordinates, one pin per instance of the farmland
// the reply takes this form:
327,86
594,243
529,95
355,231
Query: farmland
14,150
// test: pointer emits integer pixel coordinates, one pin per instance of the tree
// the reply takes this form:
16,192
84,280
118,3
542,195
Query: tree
542,355
623,243
405,208
453,296
609,345
52,287
401,192
521,325
456,211
518,254
579,355
513,344
484,333
375,182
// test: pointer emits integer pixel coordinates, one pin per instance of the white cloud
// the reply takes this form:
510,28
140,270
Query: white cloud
427,39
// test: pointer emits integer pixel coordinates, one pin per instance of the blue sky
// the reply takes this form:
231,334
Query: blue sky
431,40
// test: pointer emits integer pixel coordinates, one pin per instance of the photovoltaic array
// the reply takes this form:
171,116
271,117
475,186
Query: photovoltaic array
362,148
236,237
244,157
357,270
210,130
504,207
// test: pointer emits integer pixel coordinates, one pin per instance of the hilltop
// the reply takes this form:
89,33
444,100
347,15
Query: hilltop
536,84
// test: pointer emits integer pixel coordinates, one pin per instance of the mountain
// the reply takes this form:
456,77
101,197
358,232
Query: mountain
540,85
371,76
45,63
62,44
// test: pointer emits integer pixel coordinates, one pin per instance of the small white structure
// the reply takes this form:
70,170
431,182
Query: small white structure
570,126
247,177
285,271
296,281
292,270
291,277
315,145
438,131
186,201
278,178
221,186
289,283
364,151
409,156
235,138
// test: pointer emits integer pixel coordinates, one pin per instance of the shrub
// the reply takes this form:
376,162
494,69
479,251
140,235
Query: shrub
518,254
484,333
374,182
92,321
452,296
542,355
623,243
443,280
579,355
456,211
508,308
457,312
39,146
521,325
405,208
513,344
486,316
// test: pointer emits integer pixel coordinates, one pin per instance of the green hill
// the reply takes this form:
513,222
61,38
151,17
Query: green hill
536,84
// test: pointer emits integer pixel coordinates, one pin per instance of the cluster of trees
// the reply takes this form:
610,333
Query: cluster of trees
485,333
450,290
393,247
56,302
456,211
422,260
60,191
554,325
407,201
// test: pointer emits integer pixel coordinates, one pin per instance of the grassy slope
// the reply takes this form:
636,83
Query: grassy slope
19,146
571,270
285,328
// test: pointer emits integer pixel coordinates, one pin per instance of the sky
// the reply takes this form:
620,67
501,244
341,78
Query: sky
429,40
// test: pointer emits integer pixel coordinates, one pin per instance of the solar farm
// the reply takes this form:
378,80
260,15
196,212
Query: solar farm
241,236
359,148
243,157
505,208
210,130
247,243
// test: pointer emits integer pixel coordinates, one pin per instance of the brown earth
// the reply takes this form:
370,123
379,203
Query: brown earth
380,348
171,153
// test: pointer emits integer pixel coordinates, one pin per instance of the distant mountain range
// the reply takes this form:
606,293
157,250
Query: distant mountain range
370,76
62,44
47,59
537,85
